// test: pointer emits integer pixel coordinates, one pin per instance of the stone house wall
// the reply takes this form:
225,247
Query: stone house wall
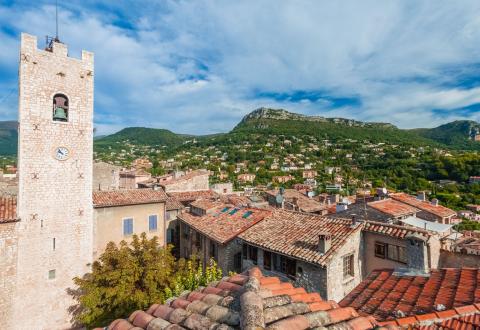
106,176
338,286
429,216
8,271
196,183
371,261
449,259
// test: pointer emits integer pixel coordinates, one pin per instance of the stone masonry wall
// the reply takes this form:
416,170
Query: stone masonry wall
338,286
455,260
8,271
196,183
55,196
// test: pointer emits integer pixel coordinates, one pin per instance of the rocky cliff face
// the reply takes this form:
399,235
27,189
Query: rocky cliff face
281,114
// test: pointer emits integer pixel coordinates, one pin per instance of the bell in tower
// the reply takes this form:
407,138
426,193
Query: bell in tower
60,108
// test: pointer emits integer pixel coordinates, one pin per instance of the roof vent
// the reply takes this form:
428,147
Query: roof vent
399,313
440,307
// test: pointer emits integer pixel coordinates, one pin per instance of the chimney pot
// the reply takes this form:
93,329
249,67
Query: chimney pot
421,196
324,242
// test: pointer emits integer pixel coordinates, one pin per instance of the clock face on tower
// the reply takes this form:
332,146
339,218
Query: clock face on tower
62,153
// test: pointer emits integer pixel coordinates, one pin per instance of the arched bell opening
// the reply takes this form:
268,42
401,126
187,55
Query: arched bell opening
60,107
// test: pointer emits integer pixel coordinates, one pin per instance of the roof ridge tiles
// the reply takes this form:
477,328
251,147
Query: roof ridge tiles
200,309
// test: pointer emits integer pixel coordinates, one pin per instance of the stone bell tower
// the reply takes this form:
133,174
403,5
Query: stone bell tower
55,182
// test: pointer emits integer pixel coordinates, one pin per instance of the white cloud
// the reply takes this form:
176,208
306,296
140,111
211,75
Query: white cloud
195,66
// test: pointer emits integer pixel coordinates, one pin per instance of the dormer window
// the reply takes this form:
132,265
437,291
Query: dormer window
60,107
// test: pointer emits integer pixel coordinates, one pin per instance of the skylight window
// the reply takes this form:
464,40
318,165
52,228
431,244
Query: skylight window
247,214
232,212
225,209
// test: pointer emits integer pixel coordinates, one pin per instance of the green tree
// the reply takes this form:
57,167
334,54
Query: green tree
134,276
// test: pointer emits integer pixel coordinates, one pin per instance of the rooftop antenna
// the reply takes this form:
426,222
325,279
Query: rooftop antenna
56,21
50,40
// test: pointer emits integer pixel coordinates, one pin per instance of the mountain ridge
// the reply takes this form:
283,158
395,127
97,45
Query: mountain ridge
454,135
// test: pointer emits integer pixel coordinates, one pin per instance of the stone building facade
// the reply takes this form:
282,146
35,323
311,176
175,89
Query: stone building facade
106,176
8,271
192,181
321,254
214,234
55,234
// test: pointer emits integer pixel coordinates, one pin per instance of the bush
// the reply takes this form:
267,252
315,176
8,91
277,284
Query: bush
134,276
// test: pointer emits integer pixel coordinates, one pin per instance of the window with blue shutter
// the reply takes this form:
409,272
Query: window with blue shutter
127,226
152,223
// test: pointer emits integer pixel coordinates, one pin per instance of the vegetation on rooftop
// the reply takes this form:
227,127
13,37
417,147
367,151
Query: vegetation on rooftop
134,276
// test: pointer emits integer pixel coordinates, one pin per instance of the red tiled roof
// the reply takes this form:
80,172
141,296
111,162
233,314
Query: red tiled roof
224,226
127,197
246,301
393,208
426,206
466,317
190,196
385,294
296,234
206,204
235,200
173,204
304,203
393,230
8,209
185,177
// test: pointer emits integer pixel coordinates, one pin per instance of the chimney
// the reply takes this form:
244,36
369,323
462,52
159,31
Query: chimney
354,220
434,202
417,253
421,196
324,242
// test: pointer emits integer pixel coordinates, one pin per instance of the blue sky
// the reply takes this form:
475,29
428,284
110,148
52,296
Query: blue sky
200,66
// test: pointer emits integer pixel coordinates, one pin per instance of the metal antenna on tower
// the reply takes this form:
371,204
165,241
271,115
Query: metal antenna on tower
56,21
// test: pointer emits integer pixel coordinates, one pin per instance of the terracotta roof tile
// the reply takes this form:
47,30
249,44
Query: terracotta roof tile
8,209
190,196
426,206
386,294
188,176
393,208
224,224
393,230
173,204
296,234
243,308
127,197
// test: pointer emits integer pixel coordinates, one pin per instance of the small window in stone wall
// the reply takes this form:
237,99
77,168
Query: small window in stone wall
60,108
380,250
348,266
267,260
51,274
390,252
